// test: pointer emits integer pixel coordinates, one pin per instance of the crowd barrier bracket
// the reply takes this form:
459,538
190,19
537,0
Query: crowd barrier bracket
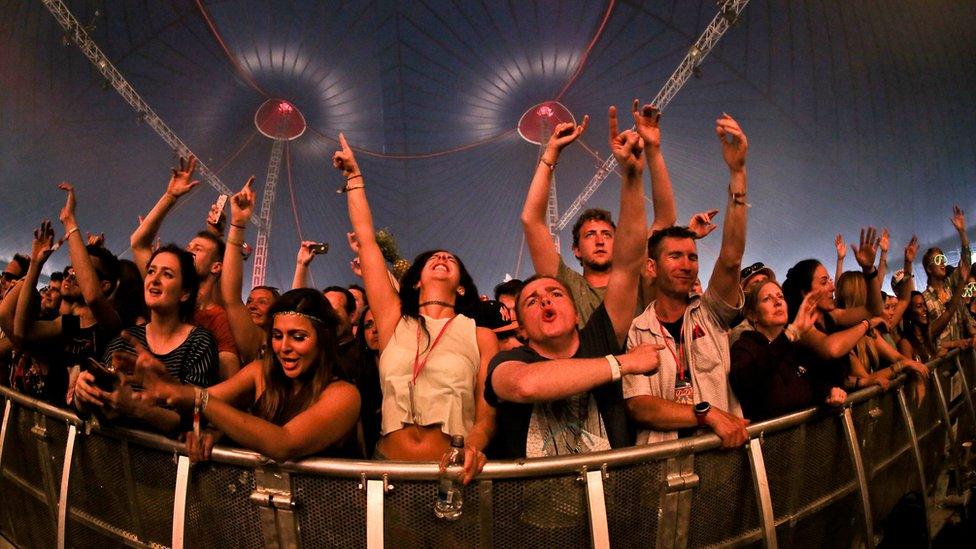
39,430
919,463
965,390
597,505
276,506
674,512
3,427
179,501
486,512
760,483
862,480
69,452
944,408
375,490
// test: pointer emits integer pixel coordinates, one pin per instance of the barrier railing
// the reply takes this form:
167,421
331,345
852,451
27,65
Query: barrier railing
810,478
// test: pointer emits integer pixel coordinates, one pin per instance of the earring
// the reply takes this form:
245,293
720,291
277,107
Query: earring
460,290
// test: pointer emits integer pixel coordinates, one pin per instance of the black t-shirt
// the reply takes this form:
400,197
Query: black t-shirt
512,419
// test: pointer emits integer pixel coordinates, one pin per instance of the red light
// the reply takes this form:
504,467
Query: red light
285,107
545,111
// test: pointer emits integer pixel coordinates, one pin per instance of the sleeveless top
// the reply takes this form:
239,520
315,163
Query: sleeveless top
444,393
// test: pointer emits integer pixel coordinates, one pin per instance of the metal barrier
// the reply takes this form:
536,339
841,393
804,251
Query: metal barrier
811,478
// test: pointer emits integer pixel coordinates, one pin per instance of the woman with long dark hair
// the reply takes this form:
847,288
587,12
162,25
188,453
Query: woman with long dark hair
297,403
433,360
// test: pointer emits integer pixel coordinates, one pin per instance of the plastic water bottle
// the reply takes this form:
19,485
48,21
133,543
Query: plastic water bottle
450,492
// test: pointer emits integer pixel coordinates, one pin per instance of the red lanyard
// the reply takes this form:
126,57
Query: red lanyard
680,354
419,366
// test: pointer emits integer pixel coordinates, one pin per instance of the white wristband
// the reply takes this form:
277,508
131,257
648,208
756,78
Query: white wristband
614,367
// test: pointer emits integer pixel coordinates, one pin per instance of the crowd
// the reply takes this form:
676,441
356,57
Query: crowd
634,349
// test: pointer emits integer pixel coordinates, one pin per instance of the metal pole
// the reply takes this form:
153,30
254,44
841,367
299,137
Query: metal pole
374,514
763,498
179,501
910,424
597,505
862,481
69,451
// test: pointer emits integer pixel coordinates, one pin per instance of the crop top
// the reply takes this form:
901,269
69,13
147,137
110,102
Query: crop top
445,390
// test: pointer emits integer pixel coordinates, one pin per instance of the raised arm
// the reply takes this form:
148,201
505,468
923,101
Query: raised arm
629,254
938,325
841,254
545,256
959,223
864,253
908,283
646,121
142,238
725,275
248,337
303,259
25,328
93,290
382,297
883,242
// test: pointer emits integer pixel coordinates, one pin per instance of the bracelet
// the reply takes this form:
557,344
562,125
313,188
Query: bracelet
348,188
205,400
238,226
867,325
614,367
739,198
551,166
235,243
872,275
197,400
69,233
351,177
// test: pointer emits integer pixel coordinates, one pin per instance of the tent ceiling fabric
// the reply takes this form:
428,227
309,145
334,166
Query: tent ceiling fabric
857,112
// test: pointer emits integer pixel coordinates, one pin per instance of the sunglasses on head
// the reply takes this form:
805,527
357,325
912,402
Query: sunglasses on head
753,269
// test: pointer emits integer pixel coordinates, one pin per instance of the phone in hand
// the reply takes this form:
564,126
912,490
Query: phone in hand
221,201
105,378
320,249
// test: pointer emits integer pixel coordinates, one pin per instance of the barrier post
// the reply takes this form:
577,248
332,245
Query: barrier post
273,496
39,430
764,500
965,389
597,505
944,408
674,513
69,452
917,451
3,428
179,501
375,490
862,481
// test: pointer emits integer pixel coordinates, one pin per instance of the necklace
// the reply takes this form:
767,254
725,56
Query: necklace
436,302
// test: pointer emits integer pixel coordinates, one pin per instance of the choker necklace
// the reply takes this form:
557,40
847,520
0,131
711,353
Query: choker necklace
436,302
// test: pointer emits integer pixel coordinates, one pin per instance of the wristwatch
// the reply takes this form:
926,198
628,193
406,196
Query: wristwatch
701,410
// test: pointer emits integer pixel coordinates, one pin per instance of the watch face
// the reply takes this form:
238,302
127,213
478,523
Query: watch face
702,407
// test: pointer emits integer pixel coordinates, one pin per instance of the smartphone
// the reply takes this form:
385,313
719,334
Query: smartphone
221,201
105,377
319,249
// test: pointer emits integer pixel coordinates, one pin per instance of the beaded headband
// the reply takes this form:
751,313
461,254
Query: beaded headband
303,315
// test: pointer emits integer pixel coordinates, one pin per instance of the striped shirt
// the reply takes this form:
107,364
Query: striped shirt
194,361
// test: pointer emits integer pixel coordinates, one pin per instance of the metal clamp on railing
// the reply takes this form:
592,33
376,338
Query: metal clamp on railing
276,505
677,482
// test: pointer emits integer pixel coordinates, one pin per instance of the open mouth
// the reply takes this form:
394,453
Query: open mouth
155,292
440,267
548,315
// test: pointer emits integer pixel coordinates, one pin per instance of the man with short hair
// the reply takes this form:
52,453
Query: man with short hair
344,305
208,255
691,388
51,297
947,320
14,271
560,393
594,231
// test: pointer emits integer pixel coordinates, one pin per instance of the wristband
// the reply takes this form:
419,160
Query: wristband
614,367
348,188
235,243
197,400
69,233
552,166
238,226
871,275
351,177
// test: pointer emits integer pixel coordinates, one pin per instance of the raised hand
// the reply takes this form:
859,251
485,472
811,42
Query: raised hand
344,160
567,132
646,121
911,249
353,242
958,219
242,204
867,250
841,247
884,241
43,243
807,315
734,142
627,147
701,223
181,182
305,254
67,215
96,239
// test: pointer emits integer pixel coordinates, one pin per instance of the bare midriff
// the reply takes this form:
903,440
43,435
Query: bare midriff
415,443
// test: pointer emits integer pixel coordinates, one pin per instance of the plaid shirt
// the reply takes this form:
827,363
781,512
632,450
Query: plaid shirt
959,324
